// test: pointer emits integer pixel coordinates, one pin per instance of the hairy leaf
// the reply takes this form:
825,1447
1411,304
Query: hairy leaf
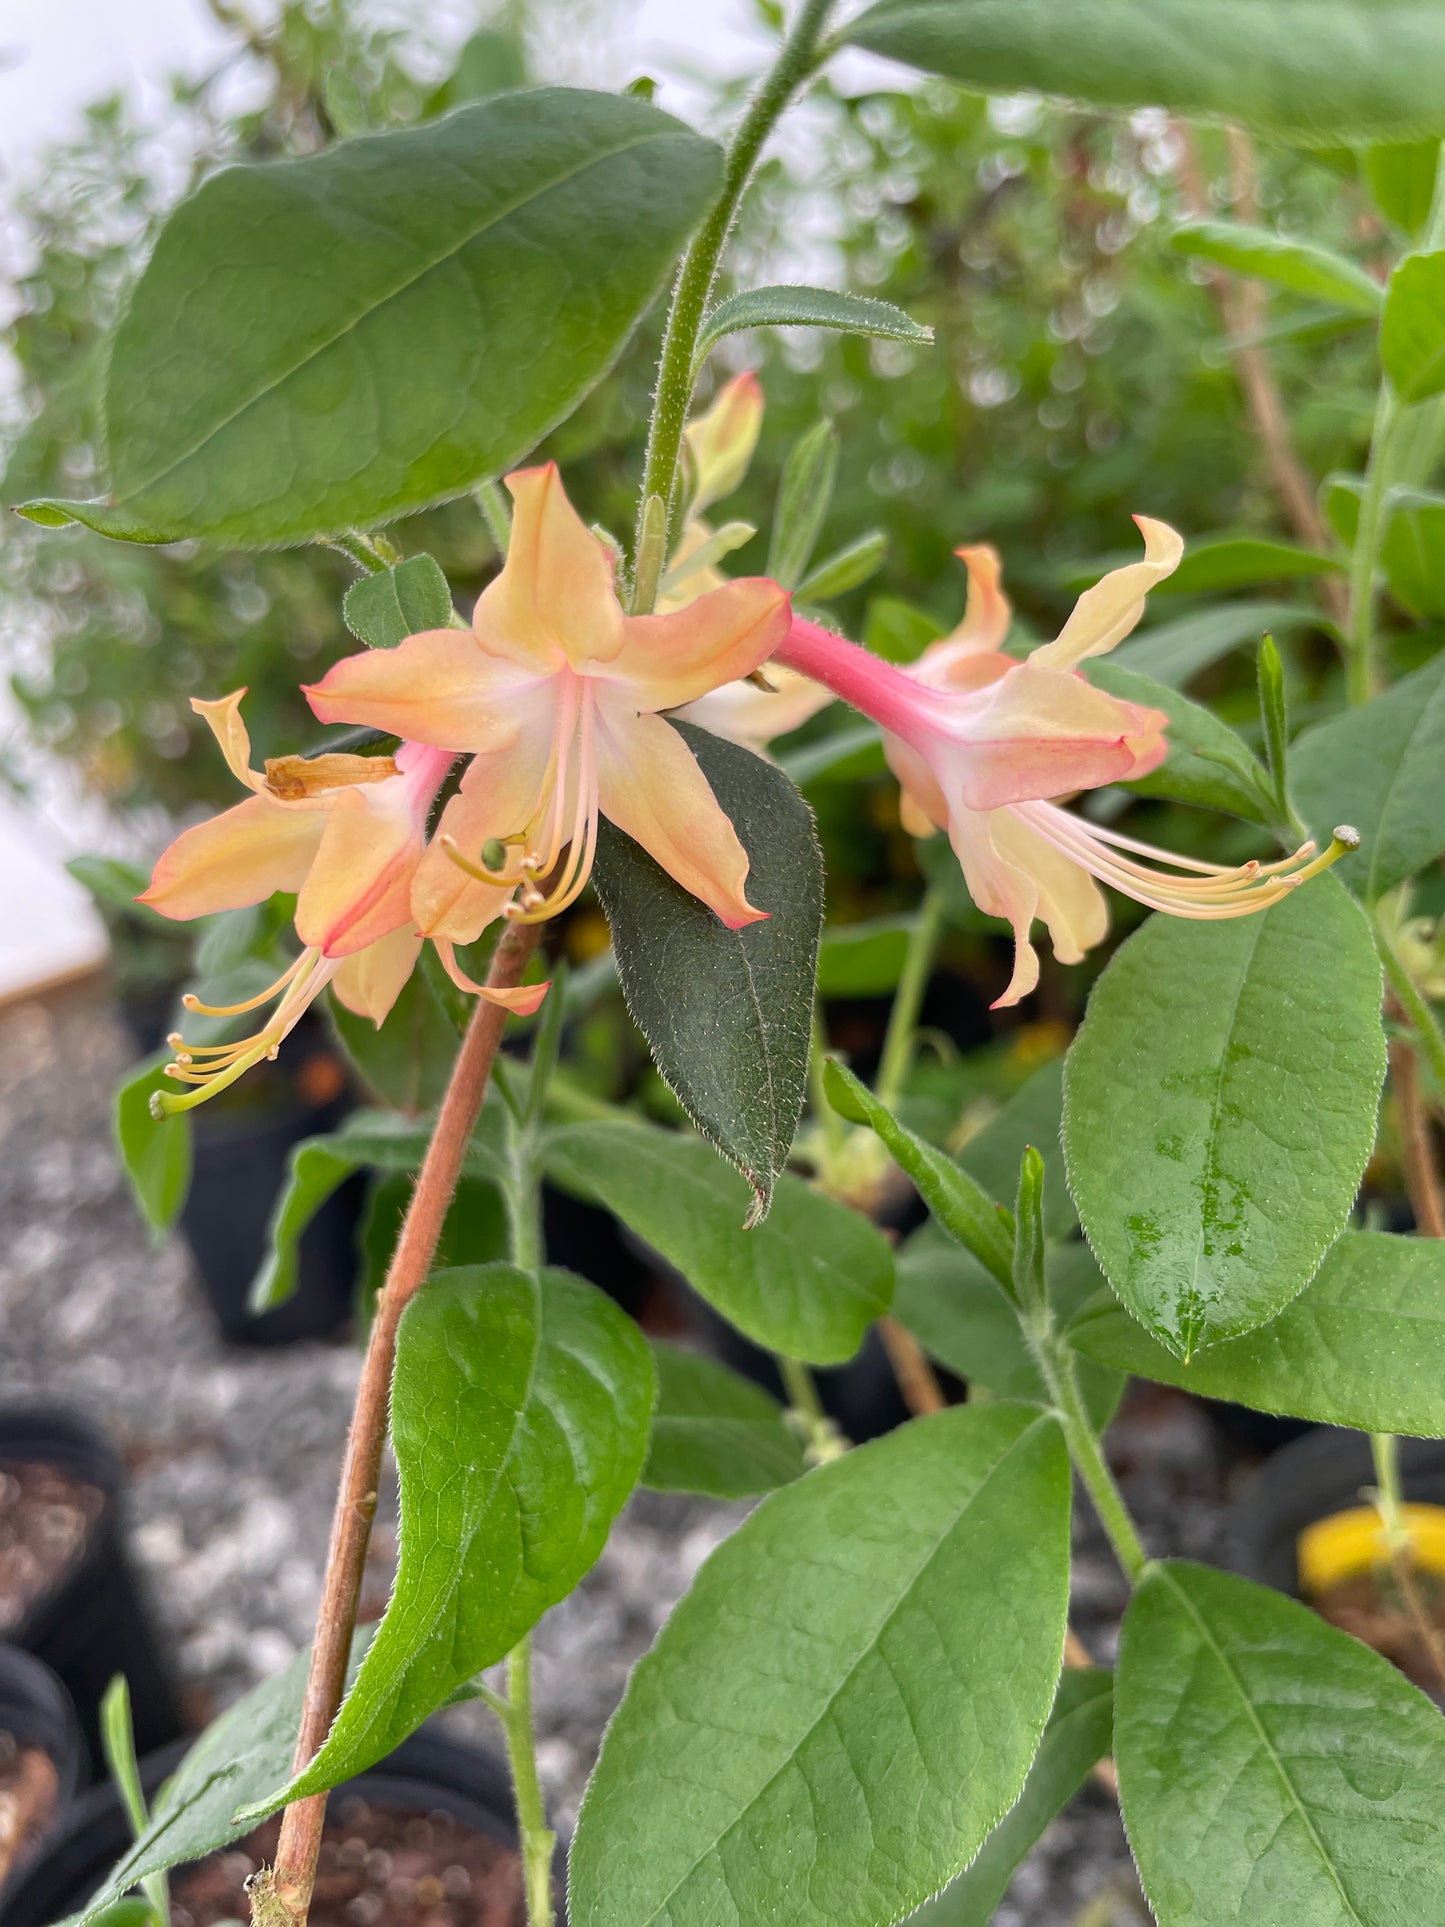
716,1432
384,609
793,307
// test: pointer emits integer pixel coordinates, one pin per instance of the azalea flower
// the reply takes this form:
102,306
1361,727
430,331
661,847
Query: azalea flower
980,742
346,833
555,693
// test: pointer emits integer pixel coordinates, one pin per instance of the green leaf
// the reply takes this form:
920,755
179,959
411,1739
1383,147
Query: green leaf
475,1231
1219,1106
1401,178
897,630
406,1061
727,1013
384,609
1380,767
155,1153
808,1281
1301,266
1175,652
793,307
845,569
863,959
1412,333
1317,72
1033,1115
849,1697
1363,1345
382,1140
237,1761
958,1202
1208,765
1243,561
844,756
715,1432
804,496
1272,1770
115,885
520,1408
1413,550
399,316
961,1317
1079,1733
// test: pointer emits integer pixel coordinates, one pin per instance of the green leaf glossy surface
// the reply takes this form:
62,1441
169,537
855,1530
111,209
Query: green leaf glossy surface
1380,767
1412,333
727,1013
1317,72
155,1153
1363,1345
850,1695
327,343
716,1432
1219,1106
807,1281
1301,266
1272,1770
1208,765
520,1411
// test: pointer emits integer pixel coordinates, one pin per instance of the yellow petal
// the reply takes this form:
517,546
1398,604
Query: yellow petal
1109,611
359,886
224,718
664,661
499,797
1070,901
745,714
521,1000
437,687
242,856
988,612
554,602
369,981
722,441
1000,888
649,784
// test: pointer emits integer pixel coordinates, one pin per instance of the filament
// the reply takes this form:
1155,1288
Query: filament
213,1068
1213,891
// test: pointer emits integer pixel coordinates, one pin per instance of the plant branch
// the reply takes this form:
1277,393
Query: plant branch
908,998
916,1378
539,1843
287,1892
1056,1362
1429,1038
675,375
1422,1179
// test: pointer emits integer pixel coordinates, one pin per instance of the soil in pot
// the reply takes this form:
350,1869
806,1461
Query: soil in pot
47,1515
39,1756
1395,1604
29,1800
380,1865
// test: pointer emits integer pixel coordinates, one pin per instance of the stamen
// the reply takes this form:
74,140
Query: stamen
212,1068
1211,893
191,1002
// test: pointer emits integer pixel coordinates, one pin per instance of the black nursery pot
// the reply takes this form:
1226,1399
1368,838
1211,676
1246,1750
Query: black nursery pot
35,1711
241,1158
429,1773
1314,1477
94,1622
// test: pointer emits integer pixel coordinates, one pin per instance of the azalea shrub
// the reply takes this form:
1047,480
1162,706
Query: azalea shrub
861,1711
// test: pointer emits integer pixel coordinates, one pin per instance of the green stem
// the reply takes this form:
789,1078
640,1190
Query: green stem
364,551
802,1392
908,998
491,499
539,1843
1429,1038
1361,655
675,373
1389,1495
1056,1362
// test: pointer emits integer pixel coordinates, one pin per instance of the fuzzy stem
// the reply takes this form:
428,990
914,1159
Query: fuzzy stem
1056,1363
287,1892
539,1843
1362,664
1429,1038
675,371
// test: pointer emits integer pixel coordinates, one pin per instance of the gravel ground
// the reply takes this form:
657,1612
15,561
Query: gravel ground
233,1456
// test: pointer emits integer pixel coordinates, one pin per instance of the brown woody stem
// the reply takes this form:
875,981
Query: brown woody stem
286,1895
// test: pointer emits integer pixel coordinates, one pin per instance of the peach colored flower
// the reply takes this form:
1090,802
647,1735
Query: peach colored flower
346,833
980,742
555,693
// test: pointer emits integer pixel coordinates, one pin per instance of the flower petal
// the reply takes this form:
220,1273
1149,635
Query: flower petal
555,601
437,687
242,856
359,887
224,719
664,661
522,999
1038,733
369,981
1108,612
499,797
721,442
988,611
1000,888
1070,901
649,784
745,714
